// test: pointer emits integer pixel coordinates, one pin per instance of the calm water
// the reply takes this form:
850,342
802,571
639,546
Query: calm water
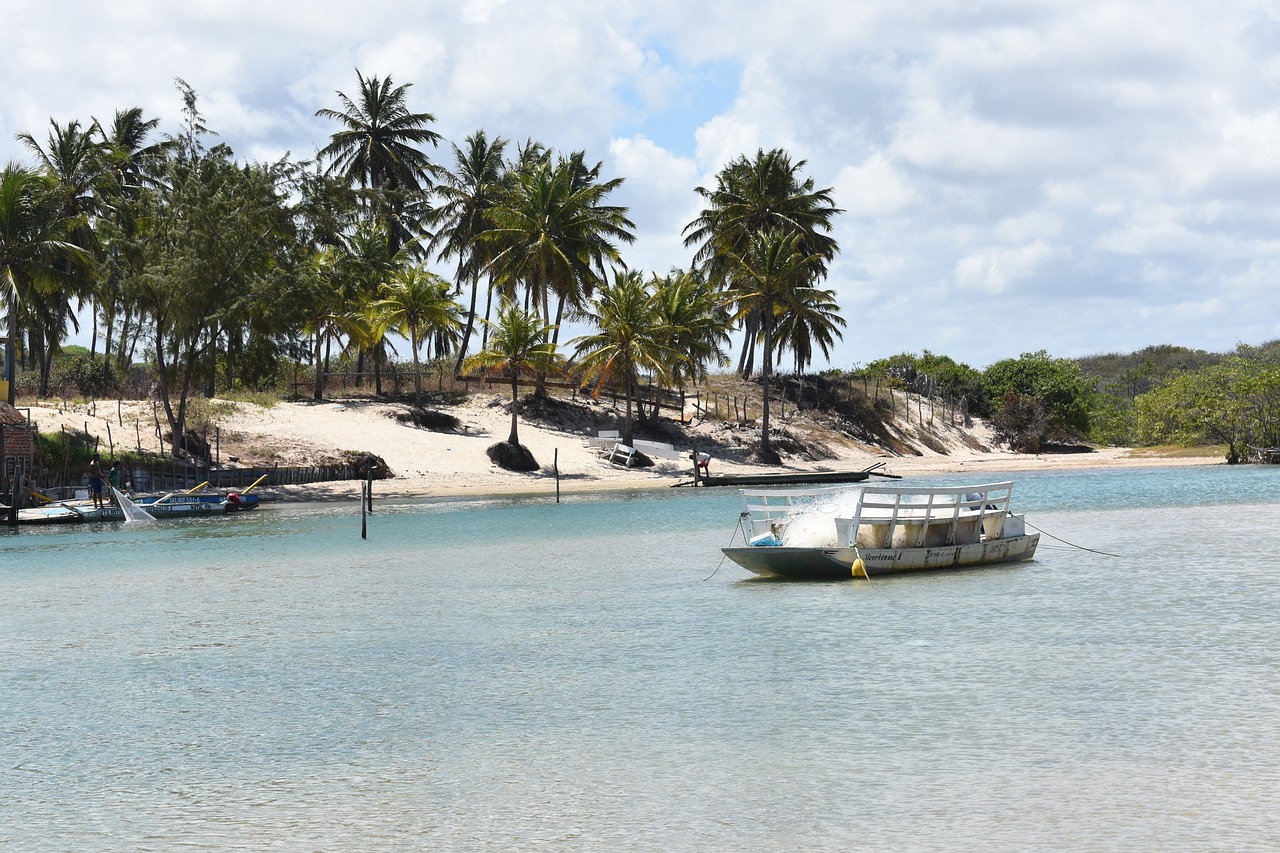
514,675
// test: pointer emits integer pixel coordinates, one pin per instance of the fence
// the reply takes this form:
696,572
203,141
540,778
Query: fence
165,478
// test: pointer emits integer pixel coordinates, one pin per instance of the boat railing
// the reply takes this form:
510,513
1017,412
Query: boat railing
912,517
768,507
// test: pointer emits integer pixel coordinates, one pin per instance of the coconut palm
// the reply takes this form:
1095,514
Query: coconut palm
329,316
753,195
632,338
132,162
807,316
74,158
127,151
417,304
520,345
554,234
761,280
696,319
34,248
469,192
377,148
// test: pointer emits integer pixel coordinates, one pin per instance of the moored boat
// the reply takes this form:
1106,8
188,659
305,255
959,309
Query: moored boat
156,506
835,532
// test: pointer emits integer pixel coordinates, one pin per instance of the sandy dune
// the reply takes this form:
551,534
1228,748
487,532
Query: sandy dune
426,463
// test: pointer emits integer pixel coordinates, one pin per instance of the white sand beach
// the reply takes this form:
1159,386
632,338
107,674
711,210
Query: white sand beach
426,463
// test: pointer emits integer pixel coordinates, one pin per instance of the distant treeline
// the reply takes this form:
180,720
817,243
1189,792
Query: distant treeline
1158,395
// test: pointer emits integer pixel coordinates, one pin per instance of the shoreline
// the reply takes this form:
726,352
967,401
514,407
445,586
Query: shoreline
544,486
452,464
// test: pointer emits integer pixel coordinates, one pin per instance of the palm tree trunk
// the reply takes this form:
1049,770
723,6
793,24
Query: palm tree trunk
10,373
747,360
514,438
766,452
320,366
471,322
417,370
626,424
488,312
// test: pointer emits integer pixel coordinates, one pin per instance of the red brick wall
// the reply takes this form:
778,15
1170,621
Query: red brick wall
19,443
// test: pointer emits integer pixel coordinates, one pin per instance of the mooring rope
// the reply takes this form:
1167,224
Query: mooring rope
1065,542
730,545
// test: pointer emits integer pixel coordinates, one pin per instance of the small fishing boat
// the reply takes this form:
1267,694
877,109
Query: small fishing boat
842,532
169,505
796,478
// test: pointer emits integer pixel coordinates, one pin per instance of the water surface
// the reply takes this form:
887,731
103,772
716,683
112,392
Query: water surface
513,674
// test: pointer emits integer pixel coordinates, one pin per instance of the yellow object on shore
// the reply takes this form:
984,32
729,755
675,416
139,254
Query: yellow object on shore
859,568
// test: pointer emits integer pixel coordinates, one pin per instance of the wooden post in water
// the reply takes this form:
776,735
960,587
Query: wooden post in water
19,492
555,466
369,491
364,525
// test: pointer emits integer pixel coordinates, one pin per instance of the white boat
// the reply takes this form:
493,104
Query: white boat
842,532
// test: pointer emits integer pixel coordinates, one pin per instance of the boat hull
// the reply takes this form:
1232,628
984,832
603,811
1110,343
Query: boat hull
791,478
837,563
173,506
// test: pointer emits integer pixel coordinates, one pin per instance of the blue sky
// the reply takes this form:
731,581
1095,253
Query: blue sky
1079,177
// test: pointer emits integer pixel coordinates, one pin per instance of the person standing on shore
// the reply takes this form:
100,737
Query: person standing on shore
113,479
95,481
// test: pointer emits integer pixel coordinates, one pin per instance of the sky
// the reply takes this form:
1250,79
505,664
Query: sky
1073,176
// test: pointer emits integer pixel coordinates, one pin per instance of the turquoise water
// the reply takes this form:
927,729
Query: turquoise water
507,675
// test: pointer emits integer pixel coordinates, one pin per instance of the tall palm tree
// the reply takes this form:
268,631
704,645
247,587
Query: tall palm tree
761,279
632,338
133,161
77,162
34,248
752,195
469,192
417,304
520,345
555,234
378,148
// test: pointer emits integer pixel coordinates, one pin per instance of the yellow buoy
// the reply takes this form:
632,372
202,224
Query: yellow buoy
859,570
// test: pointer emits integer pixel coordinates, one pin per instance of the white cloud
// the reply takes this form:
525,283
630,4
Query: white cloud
1082,160
873,188
993,271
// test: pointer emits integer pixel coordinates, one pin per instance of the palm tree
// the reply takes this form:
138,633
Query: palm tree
698,322
753,195
808,316
417,304
554,234
632,338
133,162
34,248
76,161
330,315
126,148
377,148
761,279
520,345
469,192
